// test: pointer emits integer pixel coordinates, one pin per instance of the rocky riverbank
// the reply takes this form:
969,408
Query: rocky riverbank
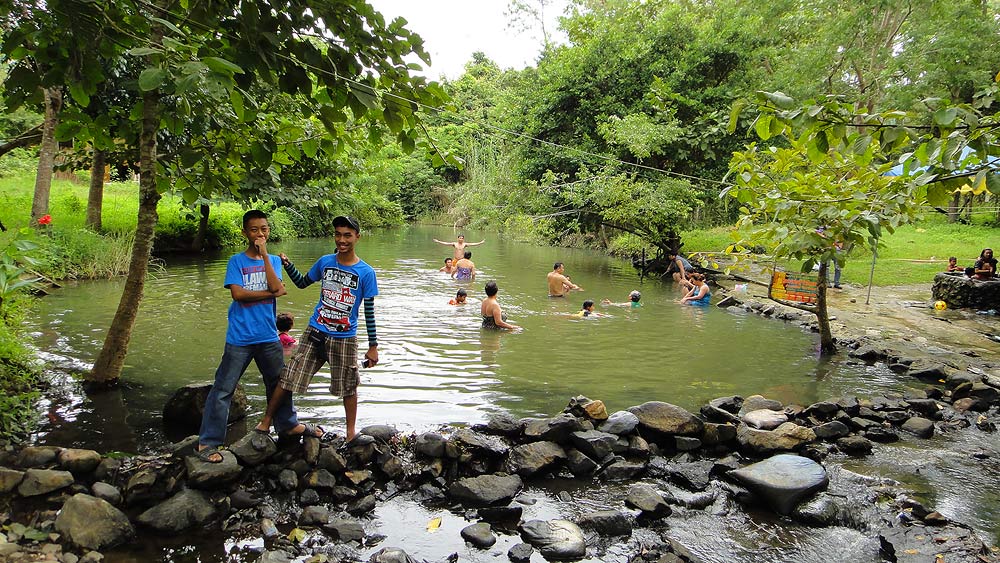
734,455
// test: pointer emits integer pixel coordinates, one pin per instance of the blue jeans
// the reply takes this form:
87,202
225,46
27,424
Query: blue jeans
270,358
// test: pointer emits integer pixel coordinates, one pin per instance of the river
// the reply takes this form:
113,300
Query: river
439,368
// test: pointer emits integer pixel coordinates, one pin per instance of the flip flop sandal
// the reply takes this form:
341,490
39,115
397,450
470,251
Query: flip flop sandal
206,454
309,430
260,440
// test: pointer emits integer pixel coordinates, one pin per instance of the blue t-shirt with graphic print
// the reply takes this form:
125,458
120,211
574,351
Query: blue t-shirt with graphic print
251,322
343,289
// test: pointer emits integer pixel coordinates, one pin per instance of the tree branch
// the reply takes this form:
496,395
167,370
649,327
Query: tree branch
30,137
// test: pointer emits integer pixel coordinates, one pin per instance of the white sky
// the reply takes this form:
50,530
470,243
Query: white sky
454,29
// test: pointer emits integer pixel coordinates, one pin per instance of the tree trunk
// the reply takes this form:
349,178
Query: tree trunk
199,238
46,154
953,208
95,199
108,366
826,345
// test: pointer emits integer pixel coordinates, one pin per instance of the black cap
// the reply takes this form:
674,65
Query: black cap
347,221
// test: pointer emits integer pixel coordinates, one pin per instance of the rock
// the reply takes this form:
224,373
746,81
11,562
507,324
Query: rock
928,370
557,429
430,444
185,407
479,444
520,553
501,424
783,480
957,378
182,511
361,506
758,402
529,459
146,484
500,514
288,480
381,432
963,291
926,407
594,443
391,555
206,475
667,419
714,433
314,516
919,427
93,523
596,410
985,393
579,464
78,461
695,475
859,423
331,461
310,449
623,471
247,455
648,500
821,510
180,450
9,479
764,419
107,493
309,497
607,523
620,423
319,479
822,409
831,430
686,443
485,489
854,445
555,539
392,467
345,530
969,404
786,437
275,556
36,456
42,481
919,544
241,499
91,557
881,434
358,476
479,535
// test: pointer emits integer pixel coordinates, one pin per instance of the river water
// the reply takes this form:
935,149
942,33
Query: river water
439,368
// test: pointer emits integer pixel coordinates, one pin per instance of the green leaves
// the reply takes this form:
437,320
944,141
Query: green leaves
151,78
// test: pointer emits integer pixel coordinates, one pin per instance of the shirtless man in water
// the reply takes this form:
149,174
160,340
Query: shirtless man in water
459,245
559,285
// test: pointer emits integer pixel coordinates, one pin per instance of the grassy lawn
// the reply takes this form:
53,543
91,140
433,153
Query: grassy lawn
913,254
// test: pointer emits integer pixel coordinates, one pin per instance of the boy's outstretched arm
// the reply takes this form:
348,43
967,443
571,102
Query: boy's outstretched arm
372,353
294,275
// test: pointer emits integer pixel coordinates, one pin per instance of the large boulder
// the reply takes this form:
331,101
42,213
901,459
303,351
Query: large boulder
963,291
667,419
555,539
783,480
207,475
556,429
42,481
596,444
184,408
765,419
787,437
486,489
529,459
182,511
93,523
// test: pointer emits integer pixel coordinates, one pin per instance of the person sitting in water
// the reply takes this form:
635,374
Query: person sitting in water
465,269
493,316
679,268
449,266
985,268
460,298
953,265
633,300
699,293
559,284
459,245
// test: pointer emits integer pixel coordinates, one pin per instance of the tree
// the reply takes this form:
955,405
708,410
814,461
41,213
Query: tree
46,154
824,182
204,59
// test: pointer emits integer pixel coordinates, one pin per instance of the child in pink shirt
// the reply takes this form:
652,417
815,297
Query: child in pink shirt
285,322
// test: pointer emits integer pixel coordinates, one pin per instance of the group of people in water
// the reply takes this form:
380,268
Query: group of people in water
461,267
985,267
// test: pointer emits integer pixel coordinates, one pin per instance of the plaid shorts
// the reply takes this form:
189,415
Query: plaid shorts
340,353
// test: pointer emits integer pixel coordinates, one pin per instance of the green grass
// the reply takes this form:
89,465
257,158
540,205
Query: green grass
911,255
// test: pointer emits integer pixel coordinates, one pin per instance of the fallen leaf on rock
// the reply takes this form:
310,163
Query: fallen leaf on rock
434,524
296,535
910,551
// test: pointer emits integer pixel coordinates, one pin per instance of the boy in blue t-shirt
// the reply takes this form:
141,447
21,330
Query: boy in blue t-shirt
253,278
331,337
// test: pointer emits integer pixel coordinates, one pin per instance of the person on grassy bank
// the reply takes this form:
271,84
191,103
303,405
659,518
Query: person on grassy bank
347,281
253,278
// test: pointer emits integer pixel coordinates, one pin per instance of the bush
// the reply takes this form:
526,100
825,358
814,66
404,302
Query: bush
19,162
19,377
